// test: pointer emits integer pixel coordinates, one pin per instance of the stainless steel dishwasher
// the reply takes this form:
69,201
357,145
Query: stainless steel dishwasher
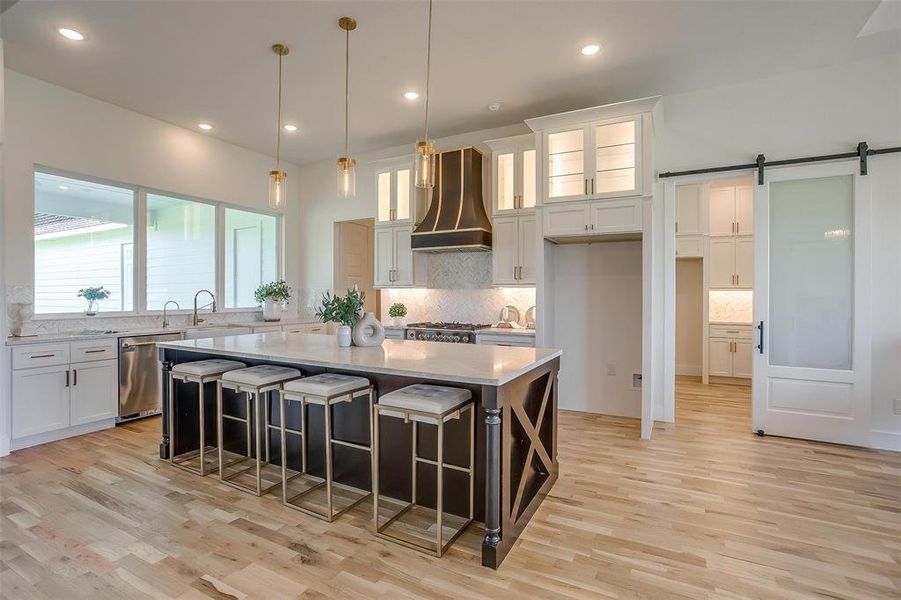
140,375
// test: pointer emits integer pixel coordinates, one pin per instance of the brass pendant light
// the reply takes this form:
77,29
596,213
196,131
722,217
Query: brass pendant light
425,150
278,179
346,165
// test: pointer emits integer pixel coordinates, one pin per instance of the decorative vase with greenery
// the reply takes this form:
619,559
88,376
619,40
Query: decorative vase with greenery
93,296
272,296
345,310
397,312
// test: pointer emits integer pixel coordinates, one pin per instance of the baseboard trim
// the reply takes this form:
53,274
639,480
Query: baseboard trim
885,440
693,370
60,434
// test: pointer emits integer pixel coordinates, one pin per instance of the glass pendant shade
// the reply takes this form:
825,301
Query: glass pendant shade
424,159
347,177
278,189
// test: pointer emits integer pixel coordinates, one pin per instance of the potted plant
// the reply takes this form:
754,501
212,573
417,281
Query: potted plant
397,312
93,296
345,311
272,296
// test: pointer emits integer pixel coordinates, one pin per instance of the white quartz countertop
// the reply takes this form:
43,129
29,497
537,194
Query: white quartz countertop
466,363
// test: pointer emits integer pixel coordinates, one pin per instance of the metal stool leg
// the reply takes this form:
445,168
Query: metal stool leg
219,428
472,455
259,465
171,418
200,411
375,466
267,406
440,477
328,460
303,440
413,460
281,419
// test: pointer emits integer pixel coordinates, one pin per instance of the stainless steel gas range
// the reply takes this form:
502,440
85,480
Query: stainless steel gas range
455,333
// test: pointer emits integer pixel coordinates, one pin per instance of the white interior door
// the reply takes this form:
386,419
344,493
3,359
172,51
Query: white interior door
811,294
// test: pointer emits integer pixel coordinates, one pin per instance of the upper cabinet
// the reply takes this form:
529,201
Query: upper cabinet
514,252
514,182
598,159
731,210
399,202
690,210
395,263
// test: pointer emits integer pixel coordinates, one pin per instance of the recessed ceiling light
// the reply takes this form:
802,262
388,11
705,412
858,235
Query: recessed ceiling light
591,49
290,127
63,187
411,95
205,126
70,34
494,106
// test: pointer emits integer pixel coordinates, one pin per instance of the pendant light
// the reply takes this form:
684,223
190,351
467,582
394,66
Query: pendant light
278,179
346,165
425,150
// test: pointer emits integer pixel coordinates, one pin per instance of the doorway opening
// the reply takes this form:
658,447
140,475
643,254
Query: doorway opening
354,258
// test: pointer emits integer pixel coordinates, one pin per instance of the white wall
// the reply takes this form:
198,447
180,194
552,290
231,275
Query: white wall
598,324
814,112
689,316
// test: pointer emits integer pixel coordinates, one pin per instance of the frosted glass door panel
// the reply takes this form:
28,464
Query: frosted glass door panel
615,134
811,283
614,157
529,162
615,181
384,191
566,163
403,194
505,181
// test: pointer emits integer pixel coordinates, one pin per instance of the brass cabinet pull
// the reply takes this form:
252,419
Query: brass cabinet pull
737,279
592,185
67,377
586,186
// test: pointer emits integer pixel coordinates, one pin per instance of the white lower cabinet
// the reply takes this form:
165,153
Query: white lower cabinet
514,250
40,400
730,352
49,400
599,217
506,339
93,392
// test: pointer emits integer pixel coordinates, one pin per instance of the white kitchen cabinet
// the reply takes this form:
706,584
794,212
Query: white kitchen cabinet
514,253
93,391
395,193
689,210
593,218
320,328
597,159
690,246
266,328
731,210
730,351
396,265
496,338
394,333
514,174
567,219
731,262
40,401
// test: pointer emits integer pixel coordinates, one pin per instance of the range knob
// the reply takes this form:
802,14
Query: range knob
456,338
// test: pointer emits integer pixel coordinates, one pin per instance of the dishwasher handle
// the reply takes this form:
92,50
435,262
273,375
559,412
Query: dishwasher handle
131,347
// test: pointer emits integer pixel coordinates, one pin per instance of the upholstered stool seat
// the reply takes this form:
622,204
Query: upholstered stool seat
435,405
200,372
257,383
325,389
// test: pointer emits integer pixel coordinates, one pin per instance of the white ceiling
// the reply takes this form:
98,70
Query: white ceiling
191,61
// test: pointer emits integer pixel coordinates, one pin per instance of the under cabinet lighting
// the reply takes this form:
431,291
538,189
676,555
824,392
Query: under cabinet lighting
205,126
70,34
591,49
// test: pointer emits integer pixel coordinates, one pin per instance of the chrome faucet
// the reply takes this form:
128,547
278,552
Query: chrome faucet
197,320
165,306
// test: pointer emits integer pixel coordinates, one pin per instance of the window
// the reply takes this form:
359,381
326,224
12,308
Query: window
83,237
88,234
251,255
181,250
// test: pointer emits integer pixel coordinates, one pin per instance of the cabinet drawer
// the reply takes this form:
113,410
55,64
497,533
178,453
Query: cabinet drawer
91,350
307,328
40,355
733,332
690,246
266,328
505,340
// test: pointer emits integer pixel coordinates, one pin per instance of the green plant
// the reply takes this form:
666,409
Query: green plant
346,310
275,290
397,310
93,294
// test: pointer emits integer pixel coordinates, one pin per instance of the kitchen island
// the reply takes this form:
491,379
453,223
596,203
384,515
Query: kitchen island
515,391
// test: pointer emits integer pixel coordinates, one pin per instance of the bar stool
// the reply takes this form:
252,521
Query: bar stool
200,372
432,404
326,389
252,381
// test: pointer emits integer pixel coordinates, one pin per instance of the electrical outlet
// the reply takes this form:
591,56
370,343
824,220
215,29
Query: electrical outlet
611,369
636,381
898,406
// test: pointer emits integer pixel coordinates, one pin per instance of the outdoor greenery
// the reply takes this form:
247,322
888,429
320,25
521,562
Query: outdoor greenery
397,310
276,290
345,310
94,294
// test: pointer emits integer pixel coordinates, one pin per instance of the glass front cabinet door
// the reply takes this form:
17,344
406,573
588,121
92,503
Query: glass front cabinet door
515,169
601,159
394,187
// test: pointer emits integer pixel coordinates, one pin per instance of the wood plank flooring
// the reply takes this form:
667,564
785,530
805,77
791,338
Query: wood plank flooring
704,510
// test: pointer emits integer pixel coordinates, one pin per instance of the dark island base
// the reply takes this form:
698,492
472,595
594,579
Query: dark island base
515,449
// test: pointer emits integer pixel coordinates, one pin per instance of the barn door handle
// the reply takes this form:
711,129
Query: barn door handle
760,345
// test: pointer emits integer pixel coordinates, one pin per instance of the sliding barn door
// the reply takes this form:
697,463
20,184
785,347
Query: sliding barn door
811,304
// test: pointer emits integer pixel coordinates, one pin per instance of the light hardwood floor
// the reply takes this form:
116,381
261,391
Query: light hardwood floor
705,510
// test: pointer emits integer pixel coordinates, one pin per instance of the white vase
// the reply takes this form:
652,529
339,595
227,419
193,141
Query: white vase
344,336
368,331
272,311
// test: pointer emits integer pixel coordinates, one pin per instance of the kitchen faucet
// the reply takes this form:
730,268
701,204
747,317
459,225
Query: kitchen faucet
198,321
166,320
